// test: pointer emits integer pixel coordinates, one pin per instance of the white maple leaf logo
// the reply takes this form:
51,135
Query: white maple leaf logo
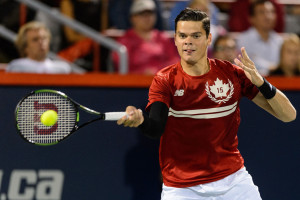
219,89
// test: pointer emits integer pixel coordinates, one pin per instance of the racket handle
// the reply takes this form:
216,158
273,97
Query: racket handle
114,116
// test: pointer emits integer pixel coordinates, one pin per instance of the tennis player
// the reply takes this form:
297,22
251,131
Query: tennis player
194,109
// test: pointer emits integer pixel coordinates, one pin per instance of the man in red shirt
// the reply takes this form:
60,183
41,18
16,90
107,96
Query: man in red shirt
149,49
239,16
194,109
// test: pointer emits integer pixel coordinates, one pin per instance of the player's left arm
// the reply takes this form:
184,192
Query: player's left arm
269,98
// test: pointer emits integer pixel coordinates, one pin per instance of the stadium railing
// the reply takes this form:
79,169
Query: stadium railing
83,29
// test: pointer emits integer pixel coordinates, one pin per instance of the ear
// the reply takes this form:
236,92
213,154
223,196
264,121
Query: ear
131,19
175,39
209,39
251,20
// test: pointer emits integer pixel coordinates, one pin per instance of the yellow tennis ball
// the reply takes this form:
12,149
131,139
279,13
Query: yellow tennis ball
49,118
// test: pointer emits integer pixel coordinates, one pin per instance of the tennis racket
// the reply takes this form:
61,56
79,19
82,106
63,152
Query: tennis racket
32,106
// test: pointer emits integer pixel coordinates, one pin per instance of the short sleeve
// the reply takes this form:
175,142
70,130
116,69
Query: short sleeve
159,91
248,89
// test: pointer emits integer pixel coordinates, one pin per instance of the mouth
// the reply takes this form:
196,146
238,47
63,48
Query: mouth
189,51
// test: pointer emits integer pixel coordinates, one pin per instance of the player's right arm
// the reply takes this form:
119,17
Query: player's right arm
160,95
153,125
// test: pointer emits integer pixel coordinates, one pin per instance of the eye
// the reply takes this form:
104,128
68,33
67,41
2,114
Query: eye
44,38
196,36
181,36
35,39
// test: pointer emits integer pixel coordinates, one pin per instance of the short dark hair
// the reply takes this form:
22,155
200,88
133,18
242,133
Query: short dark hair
256,3
189,14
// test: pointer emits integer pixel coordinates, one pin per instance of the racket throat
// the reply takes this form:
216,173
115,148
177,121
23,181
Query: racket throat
76,127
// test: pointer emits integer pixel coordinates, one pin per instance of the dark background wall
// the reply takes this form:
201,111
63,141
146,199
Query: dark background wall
106,161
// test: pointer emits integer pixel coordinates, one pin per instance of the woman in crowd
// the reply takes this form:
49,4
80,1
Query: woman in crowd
289,64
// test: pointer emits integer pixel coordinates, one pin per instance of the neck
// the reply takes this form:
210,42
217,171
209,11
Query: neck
39,59
197,69
263,34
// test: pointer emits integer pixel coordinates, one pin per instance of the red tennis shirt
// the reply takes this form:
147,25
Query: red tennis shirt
200,141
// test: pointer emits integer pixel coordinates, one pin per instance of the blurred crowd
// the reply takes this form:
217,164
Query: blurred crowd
268,29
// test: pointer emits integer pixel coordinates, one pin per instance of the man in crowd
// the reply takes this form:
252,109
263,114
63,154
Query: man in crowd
33,42
261,41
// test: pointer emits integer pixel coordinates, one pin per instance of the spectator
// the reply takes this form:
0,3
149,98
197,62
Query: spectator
87,12
119,14
225,48
148,49
10,17
292,18
33,44
289,64
90,13
239,16
262,42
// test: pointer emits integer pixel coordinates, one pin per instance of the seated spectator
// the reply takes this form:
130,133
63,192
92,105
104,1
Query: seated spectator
292,18
11,18
149,49
87,12
119,14
225,48
289,64
261,41
33,44
239,16
92,14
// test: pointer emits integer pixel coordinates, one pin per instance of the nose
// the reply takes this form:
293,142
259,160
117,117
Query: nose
188,41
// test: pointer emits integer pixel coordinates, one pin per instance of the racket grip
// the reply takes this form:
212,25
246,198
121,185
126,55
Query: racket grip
114,116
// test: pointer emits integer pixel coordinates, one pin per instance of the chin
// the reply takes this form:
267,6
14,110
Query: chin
190,62
41,58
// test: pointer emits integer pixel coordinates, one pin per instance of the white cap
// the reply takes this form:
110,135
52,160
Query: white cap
142,5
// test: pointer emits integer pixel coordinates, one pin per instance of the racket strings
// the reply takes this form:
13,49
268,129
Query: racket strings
31,109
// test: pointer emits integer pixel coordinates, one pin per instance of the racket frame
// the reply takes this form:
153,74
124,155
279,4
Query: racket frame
76,106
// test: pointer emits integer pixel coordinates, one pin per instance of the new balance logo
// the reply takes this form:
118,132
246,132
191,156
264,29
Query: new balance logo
179,93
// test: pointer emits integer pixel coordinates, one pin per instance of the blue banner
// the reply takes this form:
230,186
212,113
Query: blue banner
111,162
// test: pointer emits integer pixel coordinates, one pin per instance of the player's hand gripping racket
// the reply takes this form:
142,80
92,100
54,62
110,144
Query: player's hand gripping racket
29,110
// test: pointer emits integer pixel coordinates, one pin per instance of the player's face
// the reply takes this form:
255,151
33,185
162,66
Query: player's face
37,44
191,41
